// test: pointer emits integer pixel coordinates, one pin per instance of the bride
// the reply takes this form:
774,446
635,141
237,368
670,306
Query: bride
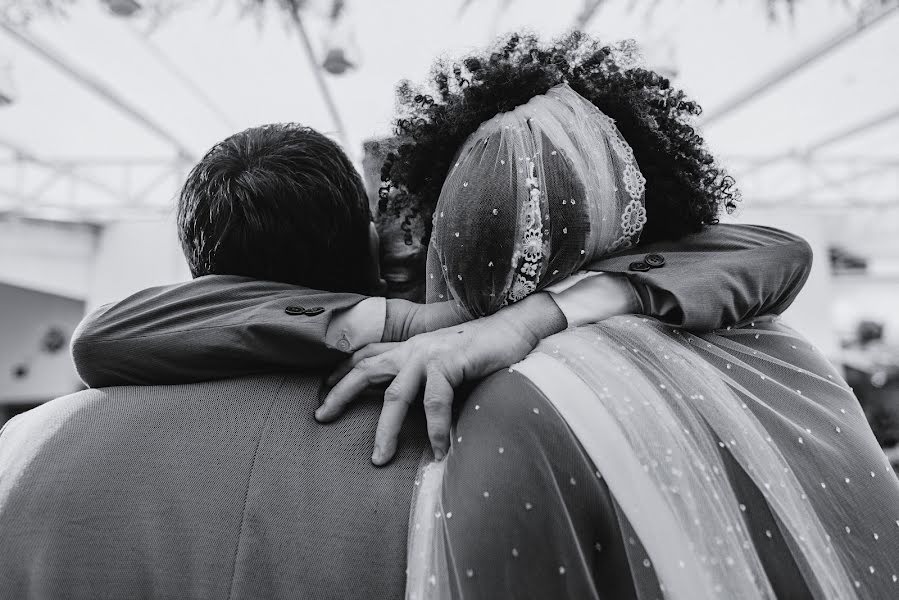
704,443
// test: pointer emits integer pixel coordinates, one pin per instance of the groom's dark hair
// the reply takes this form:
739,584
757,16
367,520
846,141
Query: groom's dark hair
279,202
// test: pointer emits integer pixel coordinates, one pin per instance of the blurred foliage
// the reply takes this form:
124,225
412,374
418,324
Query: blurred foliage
778,9
289,6
23,11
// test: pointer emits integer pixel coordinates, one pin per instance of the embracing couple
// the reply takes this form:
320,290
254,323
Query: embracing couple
596,400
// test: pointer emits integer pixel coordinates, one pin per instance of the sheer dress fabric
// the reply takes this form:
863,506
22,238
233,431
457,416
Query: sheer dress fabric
681,428
550,509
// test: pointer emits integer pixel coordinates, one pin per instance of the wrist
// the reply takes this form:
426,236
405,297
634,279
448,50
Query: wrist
596,298
406,319
535,317
399,319
508,336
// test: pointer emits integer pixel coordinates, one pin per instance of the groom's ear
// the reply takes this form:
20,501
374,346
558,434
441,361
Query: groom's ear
376,285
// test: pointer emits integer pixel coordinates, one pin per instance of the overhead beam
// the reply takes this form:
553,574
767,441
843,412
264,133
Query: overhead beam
867,202
183,78
18,196
85,79
868,159
841,182
39,190
141,195
829,140
23,155
852,131
99,162
802,61
320,80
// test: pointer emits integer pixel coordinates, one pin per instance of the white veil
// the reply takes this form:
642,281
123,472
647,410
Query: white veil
535,193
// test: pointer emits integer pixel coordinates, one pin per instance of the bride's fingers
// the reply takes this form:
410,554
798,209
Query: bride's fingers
438,402
347,365
367,372
397,398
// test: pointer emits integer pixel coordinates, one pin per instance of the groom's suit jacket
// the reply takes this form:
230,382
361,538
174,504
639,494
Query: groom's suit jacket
229,488
718,276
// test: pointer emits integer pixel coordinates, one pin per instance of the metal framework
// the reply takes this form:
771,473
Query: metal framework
87,80
39,181
828,141
805,177
183,78
813,180
65,188
806,180
799,63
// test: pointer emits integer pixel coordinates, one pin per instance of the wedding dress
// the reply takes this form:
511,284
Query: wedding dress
712,446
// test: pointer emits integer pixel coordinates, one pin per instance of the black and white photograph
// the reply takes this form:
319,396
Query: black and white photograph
449,299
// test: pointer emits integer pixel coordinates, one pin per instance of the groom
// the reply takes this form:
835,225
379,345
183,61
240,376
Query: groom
227,486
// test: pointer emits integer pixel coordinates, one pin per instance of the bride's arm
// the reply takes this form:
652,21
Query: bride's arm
754,271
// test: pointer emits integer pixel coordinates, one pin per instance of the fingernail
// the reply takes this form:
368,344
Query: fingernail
320,414
439,454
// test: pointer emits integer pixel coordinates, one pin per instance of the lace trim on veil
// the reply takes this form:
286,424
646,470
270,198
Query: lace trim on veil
528,262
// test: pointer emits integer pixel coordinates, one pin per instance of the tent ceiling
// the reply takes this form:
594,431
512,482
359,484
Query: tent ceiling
206,72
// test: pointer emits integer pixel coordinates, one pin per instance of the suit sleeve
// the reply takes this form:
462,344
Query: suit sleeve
224,326
718,277
213,327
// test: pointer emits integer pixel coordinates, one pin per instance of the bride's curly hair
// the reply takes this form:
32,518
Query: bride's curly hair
685,188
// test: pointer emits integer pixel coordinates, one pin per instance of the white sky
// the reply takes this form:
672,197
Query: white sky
260,74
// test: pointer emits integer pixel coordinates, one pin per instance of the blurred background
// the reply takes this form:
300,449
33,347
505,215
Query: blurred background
106,104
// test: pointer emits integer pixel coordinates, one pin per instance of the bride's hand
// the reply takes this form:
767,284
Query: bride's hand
438,362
